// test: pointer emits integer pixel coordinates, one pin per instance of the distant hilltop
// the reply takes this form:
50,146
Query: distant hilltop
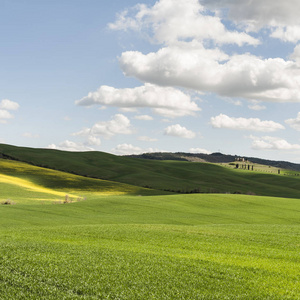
216,157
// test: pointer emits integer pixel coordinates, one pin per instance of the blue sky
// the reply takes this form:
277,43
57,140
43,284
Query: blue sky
140,76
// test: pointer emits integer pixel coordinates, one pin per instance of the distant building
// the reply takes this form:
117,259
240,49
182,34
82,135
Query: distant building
243,159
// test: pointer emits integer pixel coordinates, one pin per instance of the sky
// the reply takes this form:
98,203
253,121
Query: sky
136,76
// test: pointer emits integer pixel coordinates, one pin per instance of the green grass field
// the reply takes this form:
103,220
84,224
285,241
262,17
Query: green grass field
127,242
152,247
170,176
24,183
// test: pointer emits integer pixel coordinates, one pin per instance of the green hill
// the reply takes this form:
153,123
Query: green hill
174,176
24,183
128,242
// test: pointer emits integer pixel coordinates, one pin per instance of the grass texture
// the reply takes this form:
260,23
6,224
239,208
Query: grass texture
152,247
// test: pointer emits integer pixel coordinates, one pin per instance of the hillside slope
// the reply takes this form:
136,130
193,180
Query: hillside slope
24,183
162,175
215,158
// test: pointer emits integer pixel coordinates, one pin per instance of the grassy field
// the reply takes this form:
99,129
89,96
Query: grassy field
127,242
259,168
23,183
170,176
152,247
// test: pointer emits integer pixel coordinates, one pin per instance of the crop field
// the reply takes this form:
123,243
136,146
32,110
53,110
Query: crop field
127,242
152,247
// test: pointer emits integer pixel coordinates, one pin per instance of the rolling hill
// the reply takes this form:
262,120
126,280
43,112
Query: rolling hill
216,158
129,242
171,176
24,183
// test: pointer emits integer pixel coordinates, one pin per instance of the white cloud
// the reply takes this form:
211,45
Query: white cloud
185,62
166,101
144,118
179,131
9,105
70,146
173,20
4,116
256,106
272,143
146,139
127,149
190,65
287,34
253,124
296,55
200,150
257,14
119,124
294,123
5,106
93,141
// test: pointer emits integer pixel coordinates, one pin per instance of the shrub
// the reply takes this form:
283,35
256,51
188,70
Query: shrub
67,199
7,202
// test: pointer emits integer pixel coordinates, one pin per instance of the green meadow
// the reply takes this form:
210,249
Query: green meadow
115,240
169,176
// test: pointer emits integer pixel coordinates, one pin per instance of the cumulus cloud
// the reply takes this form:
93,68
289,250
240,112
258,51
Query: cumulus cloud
9,105
127,149
253,124
166,101
93,141
287,34
173,20
4,116
5,106
294,123
272,143
119,124
200,150
190,65
257,14
179,131
70,146
143,118
183,27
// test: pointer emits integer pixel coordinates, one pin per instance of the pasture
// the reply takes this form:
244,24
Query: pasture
128,242
165,176
152,247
